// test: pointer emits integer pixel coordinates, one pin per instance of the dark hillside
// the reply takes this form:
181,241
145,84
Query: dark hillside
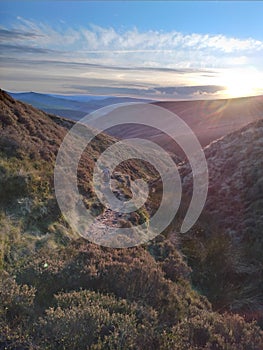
26,130
230,232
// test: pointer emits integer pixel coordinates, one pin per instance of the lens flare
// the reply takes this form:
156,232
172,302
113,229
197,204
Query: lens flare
243,83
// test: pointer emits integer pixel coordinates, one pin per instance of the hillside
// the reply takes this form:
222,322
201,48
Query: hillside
235,165
208,119
232,223
212,119
59,291
29,141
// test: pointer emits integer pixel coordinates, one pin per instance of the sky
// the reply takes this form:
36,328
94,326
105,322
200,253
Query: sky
152,49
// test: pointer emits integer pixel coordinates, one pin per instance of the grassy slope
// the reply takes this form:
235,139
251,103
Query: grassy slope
60,292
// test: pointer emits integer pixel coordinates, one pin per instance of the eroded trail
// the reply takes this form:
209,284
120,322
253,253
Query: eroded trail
110,218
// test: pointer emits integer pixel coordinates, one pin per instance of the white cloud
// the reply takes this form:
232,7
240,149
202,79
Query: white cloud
110,50
96,39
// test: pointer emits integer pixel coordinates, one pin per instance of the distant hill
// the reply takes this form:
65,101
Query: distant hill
72,107
209,120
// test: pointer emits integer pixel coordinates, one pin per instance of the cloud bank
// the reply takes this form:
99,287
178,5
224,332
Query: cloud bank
61,59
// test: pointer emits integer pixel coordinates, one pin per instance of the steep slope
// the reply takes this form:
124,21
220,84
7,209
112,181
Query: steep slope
25,129
235,165
229,235
29,141
236,172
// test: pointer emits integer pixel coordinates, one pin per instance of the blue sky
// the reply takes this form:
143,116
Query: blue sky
164,50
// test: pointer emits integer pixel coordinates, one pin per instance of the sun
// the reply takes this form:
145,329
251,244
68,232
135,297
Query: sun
240,89
242,83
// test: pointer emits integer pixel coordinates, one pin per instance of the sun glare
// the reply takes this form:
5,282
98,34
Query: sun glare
243,83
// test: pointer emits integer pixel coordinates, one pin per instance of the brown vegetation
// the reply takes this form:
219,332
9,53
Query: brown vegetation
61,292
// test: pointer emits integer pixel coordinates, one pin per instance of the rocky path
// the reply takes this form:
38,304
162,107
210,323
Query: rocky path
109,218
